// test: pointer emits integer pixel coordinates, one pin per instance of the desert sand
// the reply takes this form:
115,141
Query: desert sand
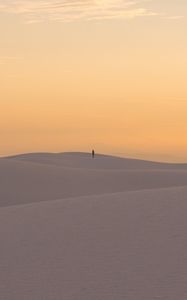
77,228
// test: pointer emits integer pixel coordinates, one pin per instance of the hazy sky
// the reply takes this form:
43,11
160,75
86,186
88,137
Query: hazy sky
83,74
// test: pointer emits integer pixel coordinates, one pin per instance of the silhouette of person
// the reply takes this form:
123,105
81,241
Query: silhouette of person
93,153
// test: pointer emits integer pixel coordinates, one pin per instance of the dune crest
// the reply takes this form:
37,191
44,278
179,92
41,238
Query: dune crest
44,176
82,160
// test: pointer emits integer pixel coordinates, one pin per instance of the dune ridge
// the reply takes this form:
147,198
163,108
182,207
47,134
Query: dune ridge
40,177
82,160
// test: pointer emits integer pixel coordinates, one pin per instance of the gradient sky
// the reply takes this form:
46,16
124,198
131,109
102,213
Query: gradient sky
83,74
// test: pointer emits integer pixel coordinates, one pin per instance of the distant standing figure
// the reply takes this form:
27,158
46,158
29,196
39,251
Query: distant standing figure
93,153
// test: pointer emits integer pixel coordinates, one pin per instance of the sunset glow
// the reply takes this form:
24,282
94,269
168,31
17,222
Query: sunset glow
109,75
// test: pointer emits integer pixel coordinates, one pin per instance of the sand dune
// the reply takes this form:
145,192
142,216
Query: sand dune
118,230
82,160
128,245
38,177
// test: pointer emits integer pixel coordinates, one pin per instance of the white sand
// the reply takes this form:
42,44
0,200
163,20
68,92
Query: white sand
119,231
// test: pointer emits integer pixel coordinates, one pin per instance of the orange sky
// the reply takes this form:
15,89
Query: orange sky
107,75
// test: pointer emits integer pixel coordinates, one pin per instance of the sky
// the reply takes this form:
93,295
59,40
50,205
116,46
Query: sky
103,74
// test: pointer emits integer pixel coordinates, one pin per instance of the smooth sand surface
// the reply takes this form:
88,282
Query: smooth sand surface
82,160
38,177
115,233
